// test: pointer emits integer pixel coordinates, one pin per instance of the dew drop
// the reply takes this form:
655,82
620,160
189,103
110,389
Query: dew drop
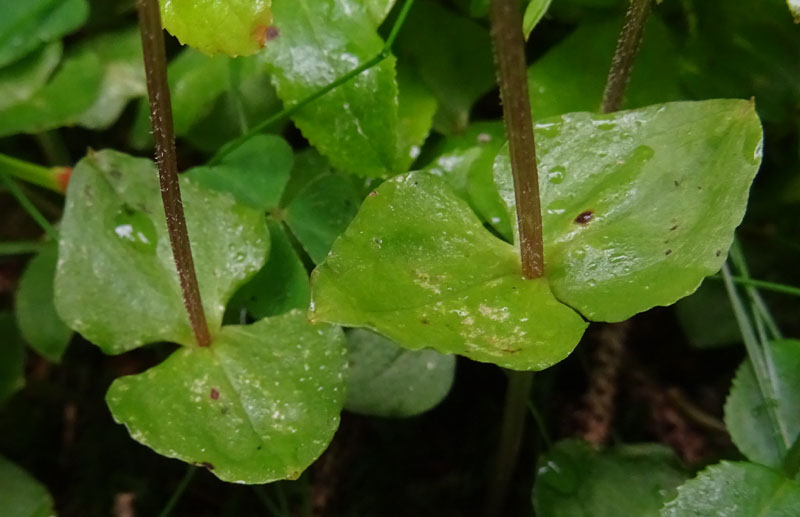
136,229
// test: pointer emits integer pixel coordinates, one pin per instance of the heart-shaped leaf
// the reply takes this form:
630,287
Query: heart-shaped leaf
746,411
114,232
233,27
388,381
574,479
639,206
260,404
418,266
736,490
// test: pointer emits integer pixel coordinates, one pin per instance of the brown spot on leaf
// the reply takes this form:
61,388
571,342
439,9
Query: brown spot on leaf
373,193
209,466
584,217
426,322
667,252
272,33
214,393
675,227
719,253
260,35
677,183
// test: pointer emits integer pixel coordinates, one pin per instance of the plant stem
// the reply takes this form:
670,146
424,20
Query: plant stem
513,423
28,206
20,247
155,63
762,284
179,490
288,111
627,47
509,47
52,178
53,147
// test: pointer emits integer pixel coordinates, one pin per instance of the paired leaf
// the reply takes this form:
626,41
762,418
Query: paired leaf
113,231
12,358
259,405
24,26
453,57
388,381
21,495
233,27
555,88
746,410
355,125
36,315
639,206
417,266
736,490
574,479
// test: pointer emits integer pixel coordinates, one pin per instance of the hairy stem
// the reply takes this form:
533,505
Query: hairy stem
155,63
627,48
509,47
513,424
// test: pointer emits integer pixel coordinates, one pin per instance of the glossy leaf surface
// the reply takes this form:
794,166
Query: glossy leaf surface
574,479
232,27
736,490
255,173
258,405
113,231
386,380
355,126
746,410
12,360
639,206
21,495
417,266
36,315
453,57
26,25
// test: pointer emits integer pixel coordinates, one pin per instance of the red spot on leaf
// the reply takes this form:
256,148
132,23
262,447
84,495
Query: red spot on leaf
214,393
272,33
584,217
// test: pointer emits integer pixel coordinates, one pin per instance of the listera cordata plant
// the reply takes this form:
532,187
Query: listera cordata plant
637,207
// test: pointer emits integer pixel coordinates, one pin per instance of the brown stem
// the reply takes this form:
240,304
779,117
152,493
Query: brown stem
509,46
627,47
155,63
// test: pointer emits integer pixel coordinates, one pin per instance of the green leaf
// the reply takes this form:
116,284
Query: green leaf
239,27
12,358
639,206
736,490
417,107
417,266
21,495
378,9
555,88
746,409
533,15
71,91
707,318
321,212
387,381
574,479
453,56
120,54
308,166
114,232
255,173
465,161
22,79
258,405
356,125
36,315
24,26
281,285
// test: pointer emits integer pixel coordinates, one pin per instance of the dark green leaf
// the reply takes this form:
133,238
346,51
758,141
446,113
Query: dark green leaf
453,56
321,212
113,232
19,81
417,266
576,480
388,381
255,173
21,495
736,490
417,107
639,206
707,318
746,410
258,405
12,360
26,25
38,321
